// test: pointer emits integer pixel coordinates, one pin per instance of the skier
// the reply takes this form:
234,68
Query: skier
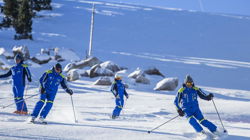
49,82
118,90
187,104
19,72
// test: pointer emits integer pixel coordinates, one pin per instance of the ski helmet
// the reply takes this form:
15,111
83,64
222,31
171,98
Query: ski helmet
58,67
18,57
188,79
118,76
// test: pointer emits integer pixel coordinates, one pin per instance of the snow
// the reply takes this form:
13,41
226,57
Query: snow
213,48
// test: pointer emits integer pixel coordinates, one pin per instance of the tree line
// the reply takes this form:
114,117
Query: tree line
19,13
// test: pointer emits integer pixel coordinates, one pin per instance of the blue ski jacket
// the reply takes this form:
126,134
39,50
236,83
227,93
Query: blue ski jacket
18,72
186,98
50,81
118,89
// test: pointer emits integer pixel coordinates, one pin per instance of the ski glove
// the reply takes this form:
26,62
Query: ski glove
210,96
127,96
69,91
29,79
180,112
42,90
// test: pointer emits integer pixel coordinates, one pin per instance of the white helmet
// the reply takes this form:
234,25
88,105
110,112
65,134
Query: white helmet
118,76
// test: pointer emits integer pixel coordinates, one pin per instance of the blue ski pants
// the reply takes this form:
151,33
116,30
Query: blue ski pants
119,105
18,97
194,115
47,99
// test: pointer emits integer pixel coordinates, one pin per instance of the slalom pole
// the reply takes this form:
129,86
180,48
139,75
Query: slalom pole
76,121
3,107
163,124
219,117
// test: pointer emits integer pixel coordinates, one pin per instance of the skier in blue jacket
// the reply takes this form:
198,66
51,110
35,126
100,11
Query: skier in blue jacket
118,89
49,82
187,104
19,72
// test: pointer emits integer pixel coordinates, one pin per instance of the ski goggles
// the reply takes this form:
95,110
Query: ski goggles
189,83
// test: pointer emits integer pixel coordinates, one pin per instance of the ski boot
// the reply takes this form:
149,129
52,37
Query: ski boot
42,121
114,116
17,112
32,120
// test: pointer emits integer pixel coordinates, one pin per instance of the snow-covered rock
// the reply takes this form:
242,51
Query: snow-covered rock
23,50
136,73
103,81
153,71
41,58
73,75
97,70
142,79
83,63
169,84
110,65
66,54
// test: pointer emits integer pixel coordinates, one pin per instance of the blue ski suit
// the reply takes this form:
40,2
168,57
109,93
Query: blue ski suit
118,89
49,82
19,72
186,100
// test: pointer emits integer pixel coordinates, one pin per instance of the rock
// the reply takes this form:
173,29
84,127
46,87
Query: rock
153,71
136,73
142,79
23,50
97,70
103,81
41,59
169,84
110,65
73,75
81,64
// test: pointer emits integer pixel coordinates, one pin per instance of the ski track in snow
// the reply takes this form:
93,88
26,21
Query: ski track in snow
219,63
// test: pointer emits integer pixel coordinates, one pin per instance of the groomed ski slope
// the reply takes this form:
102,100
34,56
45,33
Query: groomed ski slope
143,111
205,45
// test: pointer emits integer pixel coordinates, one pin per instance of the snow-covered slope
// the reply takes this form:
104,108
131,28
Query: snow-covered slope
213,48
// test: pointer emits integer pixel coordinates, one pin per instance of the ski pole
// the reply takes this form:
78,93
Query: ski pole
219,117
20,101
25,93
124,107
163,123
73,108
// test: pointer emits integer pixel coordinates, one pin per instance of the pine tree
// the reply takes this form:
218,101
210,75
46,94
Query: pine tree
23,24
10,10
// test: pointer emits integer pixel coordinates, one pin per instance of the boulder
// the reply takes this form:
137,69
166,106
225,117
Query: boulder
97,70
81,64
23,50
168,84
110,65
153,71
103,81
136,73
73,75
41,59
142,79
